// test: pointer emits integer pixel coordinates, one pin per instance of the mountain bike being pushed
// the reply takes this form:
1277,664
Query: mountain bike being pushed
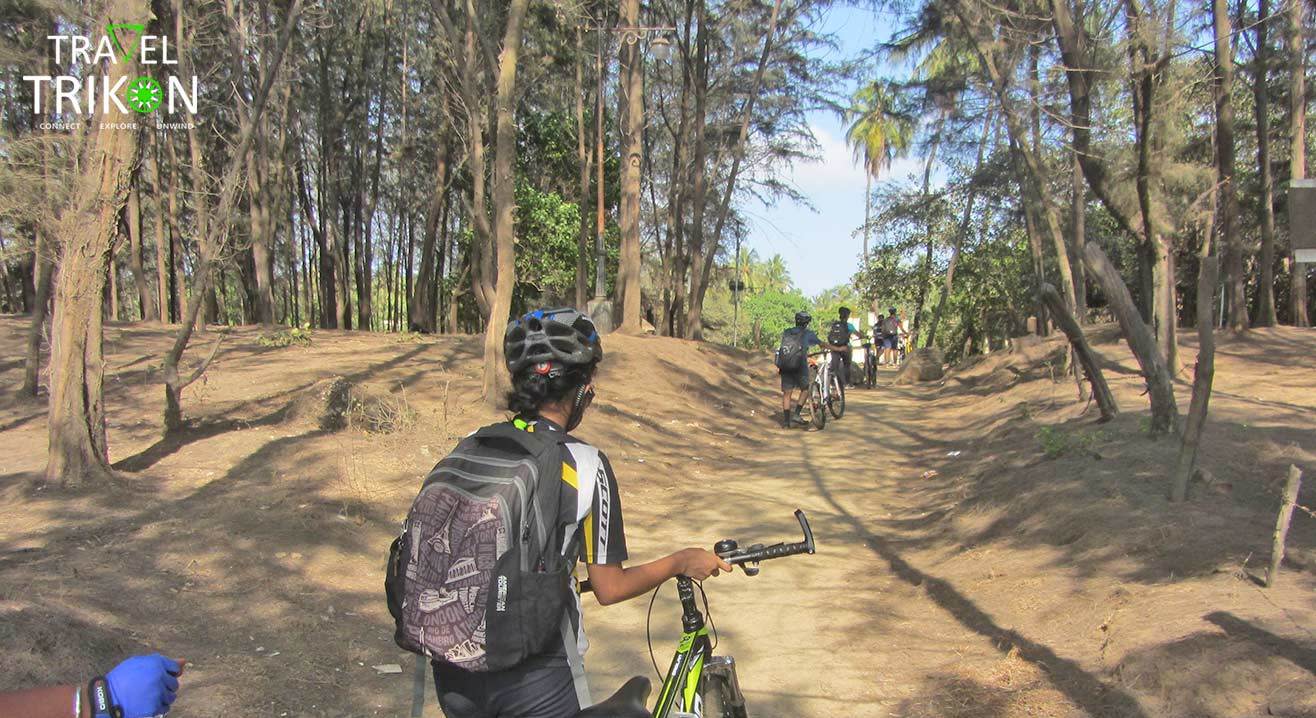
698,684
828,379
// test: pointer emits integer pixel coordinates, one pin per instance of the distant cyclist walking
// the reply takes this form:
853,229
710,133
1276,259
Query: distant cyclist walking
838,337
893,328
793,365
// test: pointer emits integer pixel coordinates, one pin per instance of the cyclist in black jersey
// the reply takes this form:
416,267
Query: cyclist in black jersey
552,355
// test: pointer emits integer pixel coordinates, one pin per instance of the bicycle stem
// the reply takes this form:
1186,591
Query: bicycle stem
691,619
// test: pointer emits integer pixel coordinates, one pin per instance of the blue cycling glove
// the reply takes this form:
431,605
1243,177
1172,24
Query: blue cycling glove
142,686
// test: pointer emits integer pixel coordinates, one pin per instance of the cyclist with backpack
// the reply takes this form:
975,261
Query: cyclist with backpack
893,328
838,339
793,364
481,579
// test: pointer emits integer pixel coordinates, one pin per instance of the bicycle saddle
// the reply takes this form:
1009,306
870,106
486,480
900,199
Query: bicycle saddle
627,702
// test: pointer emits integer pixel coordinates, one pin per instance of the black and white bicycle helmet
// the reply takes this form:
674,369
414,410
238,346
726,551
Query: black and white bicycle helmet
549,339
802,319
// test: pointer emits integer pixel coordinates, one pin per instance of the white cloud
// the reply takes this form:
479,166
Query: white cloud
820,247
835,167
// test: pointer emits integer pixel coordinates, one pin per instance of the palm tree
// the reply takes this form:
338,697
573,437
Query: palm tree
878,134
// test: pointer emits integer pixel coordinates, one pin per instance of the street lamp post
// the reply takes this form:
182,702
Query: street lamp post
631,35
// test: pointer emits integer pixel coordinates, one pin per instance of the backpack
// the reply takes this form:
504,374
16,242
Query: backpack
891,325
839,333
477,578
791,355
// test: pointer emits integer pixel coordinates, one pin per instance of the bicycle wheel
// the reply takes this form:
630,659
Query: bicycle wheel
870,371
818,415
716,697
836,402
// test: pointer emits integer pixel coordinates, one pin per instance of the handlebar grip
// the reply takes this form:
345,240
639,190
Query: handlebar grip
783,550
808,532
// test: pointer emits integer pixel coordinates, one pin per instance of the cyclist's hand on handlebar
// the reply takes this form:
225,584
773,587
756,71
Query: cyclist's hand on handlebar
699,564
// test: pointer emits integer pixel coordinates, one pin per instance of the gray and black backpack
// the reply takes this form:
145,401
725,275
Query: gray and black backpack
791,355
479,577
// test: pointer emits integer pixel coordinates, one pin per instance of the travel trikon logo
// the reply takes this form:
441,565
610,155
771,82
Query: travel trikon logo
84,93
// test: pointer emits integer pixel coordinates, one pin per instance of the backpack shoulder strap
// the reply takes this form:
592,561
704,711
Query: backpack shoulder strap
546,448
534,442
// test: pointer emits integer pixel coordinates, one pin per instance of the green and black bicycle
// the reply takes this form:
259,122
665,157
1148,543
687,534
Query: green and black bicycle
698,684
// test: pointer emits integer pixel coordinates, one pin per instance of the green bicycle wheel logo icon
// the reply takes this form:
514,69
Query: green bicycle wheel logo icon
144,94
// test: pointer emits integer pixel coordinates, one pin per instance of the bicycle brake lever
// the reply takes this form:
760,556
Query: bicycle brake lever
752,570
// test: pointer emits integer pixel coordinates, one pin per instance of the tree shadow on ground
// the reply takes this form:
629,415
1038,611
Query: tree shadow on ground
1242,670
253,551
1095,696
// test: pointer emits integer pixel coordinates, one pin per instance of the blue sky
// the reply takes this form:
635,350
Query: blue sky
821,248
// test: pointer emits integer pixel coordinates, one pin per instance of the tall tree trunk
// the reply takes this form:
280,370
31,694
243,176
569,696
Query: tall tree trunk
44,268
176,267
421,310
1203,377
925,277
1145,75
961,232
112,286
504,190
1077,236
326,282
698,196
600,223
482,244
1231,242
213,243
1261,93
583,156
365,302
737,154
161,237
868,216
1157,259
632,115
262,230
1297,145
133,218
79,449
1053,221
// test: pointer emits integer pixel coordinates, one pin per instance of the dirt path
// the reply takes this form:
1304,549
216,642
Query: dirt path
859,629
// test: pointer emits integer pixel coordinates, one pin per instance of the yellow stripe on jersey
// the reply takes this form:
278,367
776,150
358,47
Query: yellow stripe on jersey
589,538
569,475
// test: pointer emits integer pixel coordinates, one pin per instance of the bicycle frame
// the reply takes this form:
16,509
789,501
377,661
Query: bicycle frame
680,690
824,375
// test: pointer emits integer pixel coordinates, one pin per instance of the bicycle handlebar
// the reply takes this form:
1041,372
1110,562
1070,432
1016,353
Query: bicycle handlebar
731,552
728,550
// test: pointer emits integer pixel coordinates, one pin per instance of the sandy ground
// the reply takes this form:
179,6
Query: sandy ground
1009,582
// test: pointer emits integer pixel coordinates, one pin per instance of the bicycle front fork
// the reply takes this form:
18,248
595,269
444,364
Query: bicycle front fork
725,667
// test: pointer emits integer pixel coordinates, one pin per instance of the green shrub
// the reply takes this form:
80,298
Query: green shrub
1058,442
296,335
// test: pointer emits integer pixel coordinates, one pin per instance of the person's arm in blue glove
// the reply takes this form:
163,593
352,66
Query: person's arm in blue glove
140,687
